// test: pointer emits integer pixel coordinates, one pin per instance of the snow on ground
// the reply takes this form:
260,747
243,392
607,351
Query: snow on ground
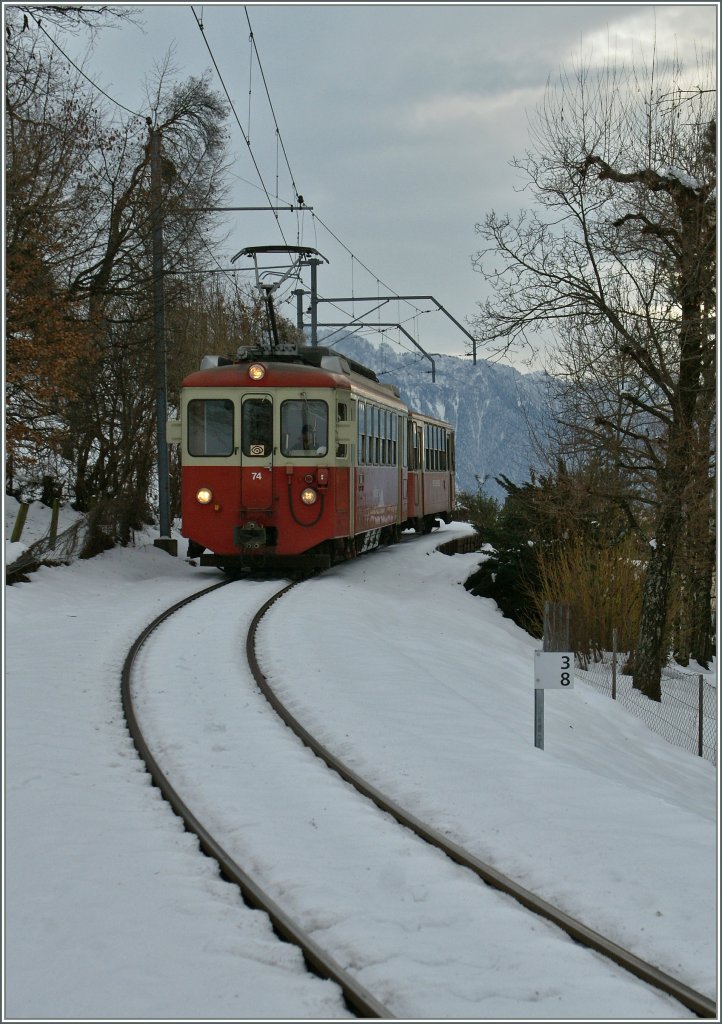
419,686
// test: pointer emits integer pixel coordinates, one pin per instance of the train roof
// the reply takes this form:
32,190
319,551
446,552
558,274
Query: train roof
312,367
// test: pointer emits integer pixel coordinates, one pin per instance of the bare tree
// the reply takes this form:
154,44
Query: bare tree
620,255
112,440
51,131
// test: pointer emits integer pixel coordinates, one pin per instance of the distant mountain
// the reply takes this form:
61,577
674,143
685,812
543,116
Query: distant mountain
491,407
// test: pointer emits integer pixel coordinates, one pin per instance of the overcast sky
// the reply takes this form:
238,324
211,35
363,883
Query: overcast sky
399,122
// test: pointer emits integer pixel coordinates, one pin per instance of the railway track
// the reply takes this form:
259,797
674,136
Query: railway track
357,997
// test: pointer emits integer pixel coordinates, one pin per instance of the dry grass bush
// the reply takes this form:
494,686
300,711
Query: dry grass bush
602,585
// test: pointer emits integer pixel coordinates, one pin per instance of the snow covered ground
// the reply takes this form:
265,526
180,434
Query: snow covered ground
111,911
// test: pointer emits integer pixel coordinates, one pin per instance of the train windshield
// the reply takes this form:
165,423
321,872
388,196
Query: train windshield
304,428
210,427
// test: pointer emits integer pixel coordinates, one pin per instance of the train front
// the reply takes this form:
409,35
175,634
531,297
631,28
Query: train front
265,464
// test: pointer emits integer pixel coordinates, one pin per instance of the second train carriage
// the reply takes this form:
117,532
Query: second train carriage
300,460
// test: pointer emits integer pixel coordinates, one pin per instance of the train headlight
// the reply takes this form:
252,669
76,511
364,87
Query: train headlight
308,496
204,496
256,371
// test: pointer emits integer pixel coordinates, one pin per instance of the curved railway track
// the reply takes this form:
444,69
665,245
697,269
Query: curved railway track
695,1001
359,1000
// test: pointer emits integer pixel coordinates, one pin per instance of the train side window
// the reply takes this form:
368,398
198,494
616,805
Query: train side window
361,433
210,427
257,427
304,428
341,412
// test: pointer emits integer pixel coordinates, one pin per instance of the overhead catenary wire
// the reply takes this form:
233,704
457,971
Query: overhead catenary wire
299,198
368,270
80,71
279,137
229,273
280,143
246,138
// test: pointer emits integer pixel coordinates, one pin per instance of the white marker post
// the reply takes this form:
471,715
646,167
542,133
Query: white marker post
554,666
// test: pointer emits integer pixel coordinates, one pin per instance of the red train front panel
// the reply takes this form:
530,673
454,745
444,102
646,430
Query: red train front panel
265,469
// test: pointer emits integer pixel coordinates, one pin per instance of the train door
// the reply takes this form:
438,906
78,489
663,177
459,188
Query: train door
345,447
416,466
403,463
256,452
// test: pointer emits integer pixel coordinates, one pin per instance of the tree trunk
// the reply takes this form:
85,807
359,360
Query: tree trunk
649,655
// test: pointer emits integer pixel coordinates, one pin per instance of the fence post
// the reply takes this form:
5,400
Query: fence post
700,729
614,664
54,524
19,523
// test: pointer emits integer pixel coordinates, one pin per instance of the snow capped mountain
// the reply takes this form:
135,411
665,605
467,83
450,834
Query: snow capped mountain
493,408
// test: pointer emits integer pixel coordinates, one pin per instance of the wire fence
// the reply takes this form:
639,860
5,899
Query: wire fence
686,715
52,549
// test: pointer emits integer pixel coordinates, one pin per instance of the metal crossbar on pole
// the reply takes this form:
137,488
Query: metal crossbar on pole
406,298
361,323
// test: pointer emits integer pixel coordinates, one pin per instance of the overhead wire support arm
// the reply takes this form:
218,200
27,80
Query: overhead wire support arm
233,209
416,298
360,323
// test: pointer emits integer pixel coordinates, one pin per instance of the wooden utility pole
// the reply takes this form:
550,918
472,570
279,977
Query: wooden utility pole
161,404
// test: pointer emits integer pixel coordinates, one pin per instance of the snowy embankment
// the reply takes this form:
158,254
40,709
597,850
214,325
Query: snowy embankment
111,912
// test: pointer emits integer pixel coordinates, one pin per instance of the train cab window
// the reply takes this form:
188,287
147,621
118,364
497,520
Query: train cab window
304,428
210,427
257,427
341,412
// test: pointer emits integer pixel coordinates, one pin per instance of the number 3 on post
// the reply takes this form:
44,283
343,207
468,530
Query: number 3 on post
553,670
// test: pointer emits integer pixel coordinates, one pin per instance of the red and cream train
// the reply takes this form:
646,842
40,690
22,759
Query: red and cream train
301,459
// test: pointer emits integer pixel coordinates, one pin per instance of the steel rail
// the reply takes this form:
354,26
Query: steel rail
695,1001
358,999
